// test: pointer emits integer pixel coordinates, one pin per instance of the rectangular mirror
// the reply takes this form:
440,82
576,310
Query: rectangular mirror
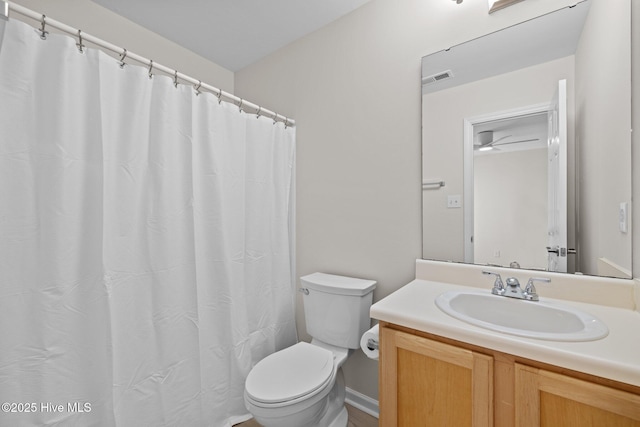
527,146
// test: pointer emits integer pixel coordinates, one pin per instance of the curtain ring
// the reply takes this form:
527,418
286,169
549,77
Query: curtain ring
79,44
275,119
258,113
240,106
124,55
43,32
286,122
150,68
175,79
197,88
220,97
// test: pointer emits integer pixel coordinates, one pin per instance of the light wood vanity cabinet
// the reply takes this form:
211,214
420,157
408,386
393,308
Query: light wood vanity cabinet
427,380
545,398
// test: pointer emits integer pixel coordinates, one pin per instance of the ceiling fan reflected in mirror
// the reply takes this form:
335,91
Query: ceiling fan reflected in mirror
485,141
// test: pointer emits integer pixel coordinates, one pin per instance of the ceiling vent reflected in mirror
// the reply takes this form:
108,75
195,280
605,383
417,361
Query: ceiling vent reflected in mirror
443,75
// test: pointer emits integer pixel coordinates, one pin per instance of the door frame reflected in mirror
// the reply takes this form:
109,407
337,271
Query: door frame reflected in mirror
468,184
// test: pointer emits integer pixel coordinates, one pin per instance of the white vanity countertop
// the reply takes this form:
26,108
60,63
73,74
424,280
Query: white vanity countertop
616,357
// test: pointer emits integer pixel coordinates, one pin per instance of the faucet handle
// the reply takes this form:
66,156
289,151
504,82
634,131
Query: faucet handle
498,286
530,292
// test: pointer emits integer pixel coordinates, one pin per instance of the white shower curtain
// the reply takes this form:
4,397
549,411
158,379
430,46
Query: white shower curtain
145,242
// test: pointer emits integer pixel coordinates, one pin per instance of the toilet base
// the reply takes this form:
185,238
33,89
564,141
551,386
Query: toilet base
342,419
336,415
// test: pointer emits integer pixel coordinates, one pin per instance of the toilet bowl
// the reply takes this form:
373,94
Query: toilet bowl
303,385
297,387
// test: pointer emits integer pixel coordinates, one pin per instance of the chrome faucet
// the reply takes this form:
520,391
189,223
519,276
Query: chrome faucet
513,289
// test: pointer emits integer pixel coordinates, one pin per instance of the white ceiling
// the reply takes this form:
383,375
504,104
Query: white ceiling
232,33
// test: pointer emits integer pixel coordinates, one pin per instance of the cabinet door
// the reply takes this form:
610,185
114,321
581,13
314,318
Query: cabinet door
545,398
428,383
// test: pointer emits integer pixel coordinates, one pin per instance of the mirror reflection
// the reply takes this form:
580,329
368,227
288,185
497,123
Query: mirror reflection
527,145
502,147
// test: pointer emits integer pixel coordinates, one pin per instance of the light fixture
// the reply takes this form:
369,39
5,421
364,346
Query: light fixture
500,4
458,1
488,148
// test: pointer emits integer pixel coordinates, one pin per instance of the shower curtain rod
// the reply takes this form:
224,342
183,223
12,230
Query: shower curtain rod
242,104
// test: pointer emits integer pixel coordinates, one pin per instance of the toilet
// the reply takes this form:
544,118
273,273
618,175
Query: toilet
303,385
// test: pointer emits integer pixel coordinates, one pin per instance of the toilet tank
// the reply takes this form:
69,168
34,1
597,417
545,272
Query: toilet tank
336,308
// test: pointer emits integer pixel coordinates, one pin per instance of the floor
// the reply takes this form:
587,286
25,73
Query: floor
357,418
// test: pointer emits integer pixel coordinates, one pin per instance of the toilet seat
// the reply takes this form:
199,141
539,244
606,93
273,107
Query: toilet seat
293,374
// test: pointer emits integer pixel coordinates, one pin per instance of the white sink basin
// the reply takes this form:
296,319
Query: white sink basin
542,319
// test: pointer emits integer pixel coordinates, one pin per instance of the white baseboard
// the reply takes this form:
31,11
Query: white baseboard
362,402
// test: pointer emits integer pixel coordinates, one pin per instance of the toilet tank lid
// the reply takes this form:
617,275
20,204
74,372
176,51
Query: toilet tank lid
341,285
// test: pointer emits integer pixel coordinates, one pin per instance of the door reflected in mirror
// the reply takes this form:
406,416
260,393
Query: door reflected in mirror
530,198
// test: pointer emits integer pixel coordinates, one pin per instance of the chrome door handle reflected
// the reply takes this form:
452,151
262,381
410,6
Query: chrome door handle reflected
560,251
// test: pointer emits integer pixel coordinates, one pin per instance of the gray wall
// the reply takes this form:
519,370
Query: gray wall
603,120
504,183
